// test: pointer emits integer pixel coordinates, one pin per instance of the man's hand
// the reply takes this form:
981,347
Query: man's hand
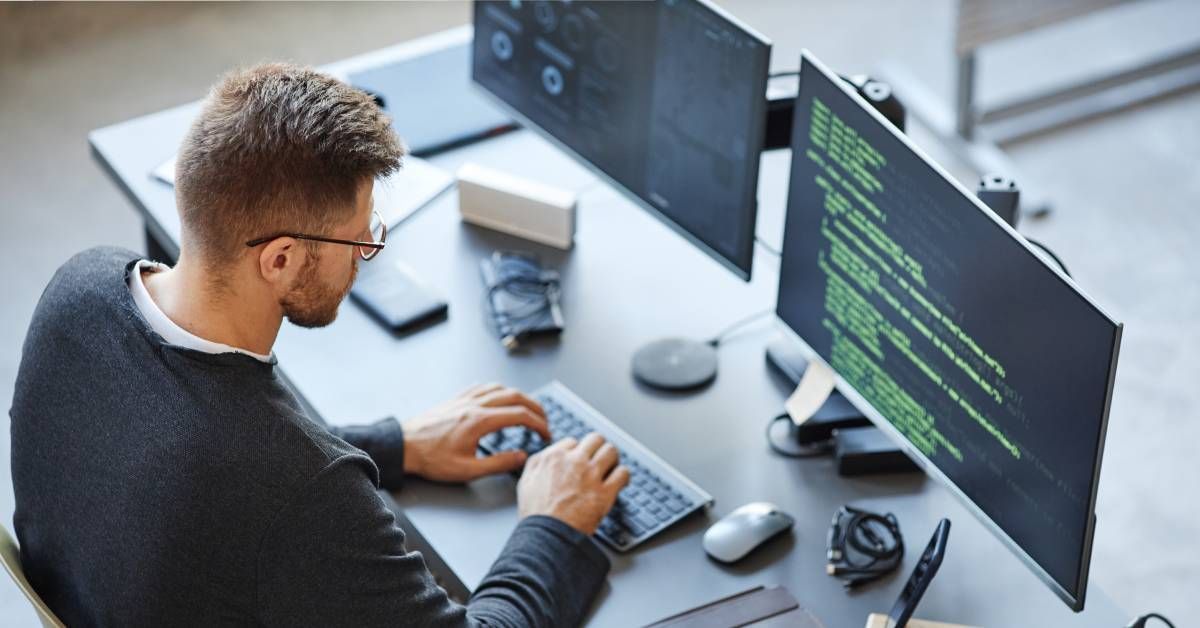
440,444
574,482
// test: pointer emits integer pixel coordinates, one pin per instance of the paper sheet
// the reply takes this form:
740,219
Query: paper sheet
814,388
402,194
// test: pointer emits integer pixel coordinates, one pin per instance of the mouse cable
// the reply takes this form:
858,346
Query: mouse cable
716,340
1140,622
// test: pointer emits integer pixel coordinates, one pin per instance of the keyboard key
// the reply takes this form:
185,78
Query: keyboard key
645,520
609,527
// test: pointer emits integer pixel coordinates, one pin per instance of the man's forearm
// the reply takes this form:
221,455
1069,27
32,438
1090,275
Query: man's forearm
548,575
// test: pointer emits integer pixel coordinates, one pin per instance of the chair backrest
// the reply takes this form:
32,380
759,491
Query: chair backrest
11,557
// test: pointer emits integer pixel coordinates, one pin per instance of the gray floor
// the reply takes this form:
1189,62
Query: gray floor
1125,186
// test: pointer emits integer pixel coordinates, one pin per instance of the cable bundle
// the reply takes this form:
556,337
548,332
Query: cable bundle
522,297
863,546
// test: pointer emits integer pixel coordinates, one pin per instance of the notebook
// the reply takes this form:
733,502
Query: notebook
761,607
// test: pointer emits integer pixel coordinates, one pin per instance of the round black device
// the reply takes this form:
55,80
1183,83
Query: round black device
675,364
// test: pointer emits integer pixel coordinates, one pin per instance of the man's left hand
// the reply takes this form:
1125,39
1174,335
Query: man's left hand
440,444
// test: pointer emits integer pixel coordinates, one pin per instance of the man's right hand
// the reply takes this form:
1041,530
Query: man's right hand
574,482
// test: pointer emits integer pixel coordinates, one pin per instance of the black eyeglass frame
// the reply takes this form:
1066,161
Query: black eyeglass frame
375,247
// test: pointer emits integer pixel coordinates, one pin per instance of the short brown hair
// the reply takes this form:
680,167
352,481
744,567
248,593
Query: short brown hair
277,147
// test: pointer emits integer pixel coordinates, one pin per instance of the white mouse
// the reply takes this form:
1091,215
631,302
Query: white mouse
744,529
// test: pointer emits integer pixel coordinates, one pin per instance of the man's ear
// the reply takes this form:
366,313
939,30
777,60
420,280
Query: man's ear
280,262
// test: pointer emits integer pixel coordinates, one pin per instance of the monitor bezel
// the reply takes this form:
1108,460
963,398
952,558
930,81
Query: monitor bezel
759,132
1075,600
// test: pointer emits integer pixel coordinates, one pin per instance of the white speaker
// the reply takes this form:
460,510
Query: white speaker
520,207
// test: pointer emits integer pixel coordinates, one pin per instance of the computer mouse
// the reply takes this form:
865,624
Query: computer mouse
744,529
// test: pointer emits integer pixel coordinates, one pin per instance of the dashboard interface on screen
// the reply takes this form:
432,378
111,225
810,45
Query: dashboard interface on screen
665,98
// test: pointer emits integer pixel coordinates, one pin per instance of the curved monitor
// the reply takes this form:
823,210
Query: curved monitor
666,100
987,364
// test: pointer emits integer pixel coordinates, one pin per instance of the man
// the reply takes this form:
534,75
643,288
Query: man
165,476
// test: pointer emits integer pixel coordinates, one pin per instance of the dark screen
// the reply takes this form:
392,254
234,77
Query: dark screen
666,98
988,362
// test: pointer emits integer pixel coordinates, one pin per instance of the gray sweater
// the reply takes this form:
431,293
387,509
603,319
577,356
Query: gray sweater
157,485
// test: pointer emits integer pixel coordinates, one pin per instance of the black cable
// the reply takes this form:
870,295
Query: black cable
822,448
1054,257
784,73
767,247
535,291
533,294
875,537
1140,622
716,340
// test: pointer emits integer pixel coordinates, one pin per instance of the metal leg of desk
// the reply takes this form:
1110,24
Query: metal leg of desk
965,97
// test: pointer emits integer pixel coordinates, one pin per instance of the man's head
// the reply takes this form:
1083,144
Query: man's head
281,148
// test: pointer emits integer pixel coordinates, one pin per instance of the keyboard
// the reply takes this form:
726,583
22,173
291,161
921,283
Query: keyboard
657,495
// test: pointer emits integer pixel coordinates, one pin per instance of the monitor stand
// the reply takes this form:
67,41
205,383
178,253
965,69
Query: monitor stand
812,438
836,427
675,364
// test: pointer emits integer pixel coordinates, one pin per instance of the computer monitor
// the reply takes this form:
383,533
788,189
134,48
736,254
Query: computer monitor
986,363
666,100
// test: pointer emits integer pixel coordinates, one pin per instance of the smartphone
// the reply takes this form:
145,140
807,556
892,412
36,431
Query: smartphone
395,296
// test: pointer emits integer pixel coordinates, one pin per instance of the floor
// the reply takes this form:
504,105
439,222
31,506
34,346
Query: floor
1125,189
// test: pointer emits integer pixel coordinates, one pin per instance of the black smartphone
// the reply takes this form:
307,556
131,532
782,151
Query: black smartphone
395,296
921,576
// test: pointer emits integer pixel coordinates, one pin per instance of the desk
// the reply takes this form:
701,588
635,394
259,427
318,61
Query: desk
628,280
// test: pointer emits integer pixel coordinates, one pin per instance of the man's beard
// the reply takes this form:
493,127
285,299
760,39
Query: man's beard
311,303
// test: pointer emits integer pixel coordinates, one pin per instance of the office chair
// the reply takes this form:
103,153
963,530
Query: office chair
11,557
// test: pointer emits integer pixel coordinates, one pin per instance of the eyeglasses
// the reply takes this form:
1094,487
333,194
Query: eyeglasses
366,249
